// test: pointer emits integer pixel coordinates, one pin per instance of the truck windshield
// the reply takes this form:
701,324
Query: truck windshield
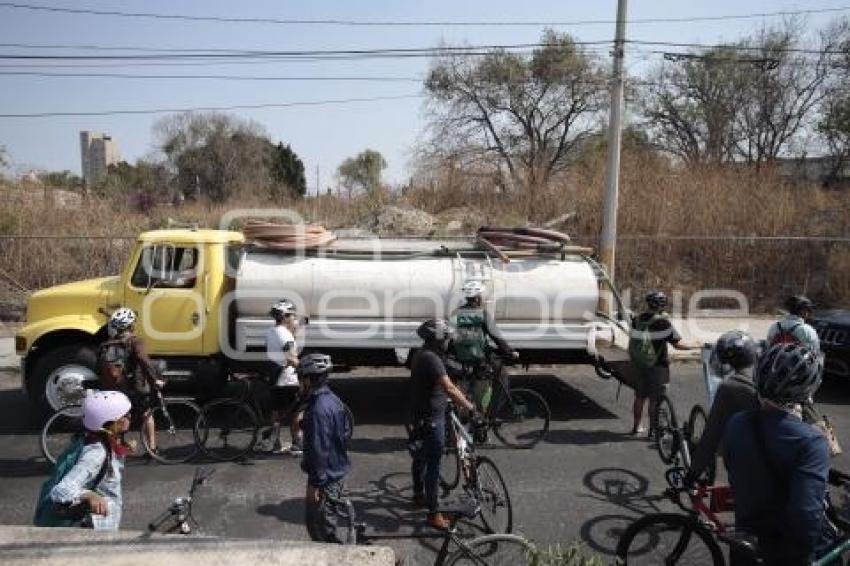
165,265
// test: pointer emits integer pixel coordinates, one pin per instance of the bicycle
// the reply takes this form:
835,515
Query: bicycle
482,480
518,417
175,441
694,537
179,516
228,428
486,550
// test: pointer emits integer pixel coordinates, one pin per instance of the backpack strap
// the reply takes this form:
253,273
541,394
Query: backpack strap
757,424
104,468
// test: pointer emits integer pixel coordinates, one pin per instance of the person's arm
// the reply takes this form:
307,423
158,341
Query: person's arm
290,354
492,330
675,340
455,394
718,416
807,492
72,489
316,448
143,362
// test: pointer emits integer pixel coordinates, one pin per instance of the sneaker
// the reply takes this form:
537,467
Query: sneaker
295,450
438,521
638,430
264,445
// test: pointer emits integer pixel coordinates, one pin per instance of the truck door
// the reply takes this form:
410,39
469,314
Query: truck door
166,291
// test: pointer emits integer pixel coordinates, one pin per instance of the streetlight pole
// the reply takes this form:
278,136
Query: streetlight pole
615,129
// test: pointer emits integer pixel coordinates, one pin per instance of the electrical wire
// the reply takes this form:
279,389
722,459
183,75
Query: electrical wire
410,23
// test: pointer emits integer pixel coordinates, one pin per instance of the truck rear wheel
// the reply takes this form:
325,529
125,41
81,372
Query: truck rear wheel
57,376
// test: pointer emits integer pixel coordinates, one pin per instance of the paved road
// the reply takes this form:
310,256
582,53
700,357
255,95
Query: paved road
583,483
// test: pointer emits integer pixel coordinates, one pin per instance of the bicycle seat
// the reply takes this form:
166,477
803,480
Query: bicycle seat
466,508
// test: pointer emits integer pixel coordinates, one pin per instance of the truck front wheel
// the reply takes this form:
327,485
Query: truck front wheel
57,376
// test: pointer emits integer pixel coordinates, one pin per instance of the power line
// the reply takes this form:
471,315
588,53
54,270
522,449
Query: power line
213,77
213,108
409,23
734,47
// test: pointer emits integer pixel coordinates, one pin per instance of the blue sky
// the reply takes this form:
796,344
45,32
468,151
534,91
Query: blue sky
322,135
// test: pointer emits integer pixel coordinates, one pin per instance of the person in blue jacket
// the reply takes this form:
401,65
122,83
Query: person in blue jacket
777,464
327,429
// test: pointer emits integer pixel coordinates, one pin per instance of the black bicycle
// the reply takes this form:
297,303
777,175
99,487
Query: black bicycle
173,418
229,428
518,417
178,518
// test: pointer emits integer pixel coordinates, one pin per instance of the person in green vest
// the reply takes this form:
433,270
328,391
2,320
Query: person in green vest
474,326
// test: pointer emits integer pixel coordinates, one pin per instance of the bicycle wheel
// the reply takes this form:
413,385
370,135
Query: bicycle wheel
521,418
668,538
450,462
665,425
490,490
493,550
227,429
696,427
60,428
174,431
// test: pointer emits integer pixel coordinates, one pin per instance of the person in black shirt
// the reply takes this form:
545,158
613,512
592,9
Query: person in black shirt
431,388
652,381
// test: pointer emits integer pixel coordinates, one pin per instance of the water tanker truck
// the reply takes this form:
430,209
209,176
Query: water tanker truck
203,296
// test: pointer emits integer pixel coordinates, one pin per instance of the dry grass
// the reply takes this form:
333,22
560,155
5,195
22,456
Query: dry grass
658,203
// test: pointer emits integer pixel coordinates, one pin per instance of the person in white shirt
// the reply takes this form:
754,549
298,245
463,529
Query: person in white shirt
282,352
793,329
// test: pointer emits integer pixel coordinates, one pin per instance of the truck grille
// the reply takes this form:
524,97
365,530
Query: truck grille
833,336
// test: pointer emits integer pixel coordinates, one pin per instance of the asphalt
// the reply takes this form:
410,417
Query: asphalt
584,483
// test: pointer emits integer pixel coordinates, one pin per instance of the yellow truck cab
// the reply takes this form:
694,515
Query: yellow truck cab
173,280
202,299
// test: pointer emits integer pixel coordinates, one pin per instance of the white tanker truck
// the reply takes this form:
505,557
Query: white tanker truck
203,298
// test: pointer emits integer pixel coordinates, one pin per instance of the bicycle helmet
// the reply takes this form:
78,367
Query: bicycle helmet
472,289
282,308
798,304
656,300
737,349
101,407
314,364
435,329
788,373
122,319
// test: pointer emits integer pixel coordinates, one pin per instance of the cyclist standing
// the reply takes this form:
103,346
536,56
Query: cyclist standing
777,464
430,390
651,332
282,352
326,434
474,325
124,366
106,416
737,392
793,328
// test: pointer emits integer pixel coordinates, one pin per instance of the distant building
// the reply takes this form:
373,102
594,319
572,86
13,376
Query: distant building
97,152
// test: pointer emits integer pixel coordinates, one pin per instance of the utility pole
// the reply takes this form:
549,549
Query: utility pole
615,130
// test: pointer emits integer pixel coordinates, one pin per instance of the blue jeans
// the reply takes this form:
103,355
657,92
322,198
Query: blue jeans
426,461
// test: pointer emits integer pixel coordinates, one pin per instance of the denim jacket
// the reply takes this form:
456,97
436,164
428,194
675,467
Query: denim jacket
75,482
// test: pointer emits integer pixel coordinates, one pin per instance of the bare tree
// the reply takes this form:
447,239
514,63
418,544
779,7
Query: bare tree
525,113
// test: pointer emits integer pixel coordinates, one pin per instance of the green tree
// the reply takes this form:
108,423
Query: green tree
4,156
363,171
525,114
287,170
61,179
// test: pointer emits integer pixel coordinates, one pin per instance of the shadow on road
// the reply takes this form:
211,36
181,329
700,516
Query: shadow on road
26,468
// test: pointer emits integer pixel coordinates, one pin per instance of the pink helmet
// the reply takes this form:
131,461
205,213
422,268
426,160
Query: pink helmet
102,407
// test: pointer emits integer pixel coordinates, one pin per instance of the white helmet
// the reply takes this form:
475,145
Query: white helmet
122,319
472,288
102,407
282,308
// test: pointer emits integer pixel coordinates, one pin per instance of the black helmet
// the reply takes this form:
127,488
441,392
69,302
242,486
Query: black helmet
314,364
797,304
788,373
736,348
656,300
435,329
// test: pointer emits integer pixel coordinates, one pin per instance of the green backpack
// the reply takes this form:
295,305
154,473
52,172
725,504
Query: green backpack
470,342
642,352
51,514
